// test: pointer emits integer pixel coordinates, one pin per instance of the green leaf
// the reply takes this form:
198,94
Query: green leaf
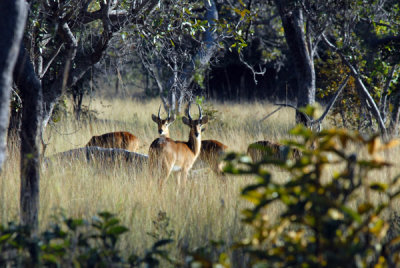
5,237
50,258
74,223
117,230
105,215
111,222
353,214
377,186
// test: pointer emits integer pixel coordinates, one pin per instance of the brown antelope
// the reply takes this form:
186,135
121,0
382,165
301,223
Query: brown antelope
211,153
261,149
121,139
165,153
211,150
163,124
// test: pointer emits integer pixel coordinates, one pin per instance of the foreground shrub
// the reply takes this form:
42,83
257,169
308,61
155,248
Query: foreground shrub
328,219
73,243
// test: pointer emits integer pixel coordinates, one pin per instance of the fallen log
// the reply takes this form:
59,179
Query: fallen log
94,154
99,154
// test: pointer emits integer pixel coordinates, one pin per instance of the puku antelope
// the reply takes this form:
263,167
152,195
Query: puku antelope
261,149
211,151
120,139
163,124
165,153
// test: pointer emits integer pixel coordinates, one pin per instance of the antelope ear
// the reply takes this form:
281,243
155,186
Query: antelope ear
204,120
185,120
154,118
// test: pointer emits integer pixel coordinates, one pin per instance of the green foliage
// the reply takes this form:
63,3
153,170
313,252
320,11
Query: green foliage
207,255
208,108
73,243
330,74
325,220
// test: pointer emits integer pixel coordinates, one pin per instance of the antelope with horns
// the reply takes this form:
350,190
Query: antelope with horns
165,153
120,139
163,124
211,151
262,149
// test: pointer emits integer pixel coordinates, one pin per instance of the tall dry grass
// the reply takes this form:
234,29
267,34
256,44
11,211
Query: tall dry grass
207,209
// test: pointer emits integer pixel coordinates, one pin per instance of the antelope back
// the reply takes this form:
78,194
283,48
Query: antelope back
211,150
121,139
261,149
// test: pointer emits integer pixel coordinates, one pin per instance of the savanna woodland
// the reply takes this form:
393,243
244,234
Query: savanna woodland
210,133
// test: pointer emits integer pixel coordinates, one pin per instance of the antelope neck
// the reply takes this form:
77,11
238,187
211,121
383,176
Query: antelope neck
165,134
194,142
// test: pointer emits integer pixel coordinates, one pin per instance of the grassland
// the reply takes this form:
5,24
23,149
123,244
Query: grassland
207,209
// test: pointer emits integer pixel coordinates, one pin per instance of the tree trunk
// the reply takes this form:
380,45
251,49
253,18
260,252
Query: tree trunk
199,62
395,116
12,24
31,95
293,25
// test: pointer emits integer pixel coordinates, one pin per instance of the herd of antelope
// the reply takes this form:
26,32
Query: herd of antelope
166,154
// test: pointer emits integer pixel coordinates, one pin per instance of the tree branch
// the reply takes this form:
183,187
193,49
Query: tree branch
268,115
318,121
55,54
364,90
333,100
384,95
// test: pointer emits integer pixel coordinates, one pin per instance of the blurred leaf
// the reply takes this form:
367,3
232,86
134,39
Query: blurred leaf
380,187
373,145
117,230
5,237
364,207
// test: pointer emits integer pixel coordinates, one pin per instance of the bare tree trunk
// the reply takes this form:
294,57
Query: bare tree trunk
395,116
293,24
12,24
31,95
117,81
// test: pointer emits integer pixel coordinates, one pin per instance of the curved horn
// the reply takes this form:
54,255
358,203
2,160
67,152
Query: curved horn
200,112
159,110
188,111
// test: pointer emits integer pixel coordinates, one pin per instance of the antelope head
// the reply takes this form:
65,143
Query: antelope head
163,124
195,125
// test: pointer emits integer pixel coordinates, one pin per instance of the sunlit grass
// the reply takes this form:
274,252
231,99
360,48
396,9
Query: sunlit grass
207,209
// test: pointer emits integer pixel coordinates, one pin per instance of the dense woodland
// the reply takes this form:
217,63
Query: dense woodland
341,54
